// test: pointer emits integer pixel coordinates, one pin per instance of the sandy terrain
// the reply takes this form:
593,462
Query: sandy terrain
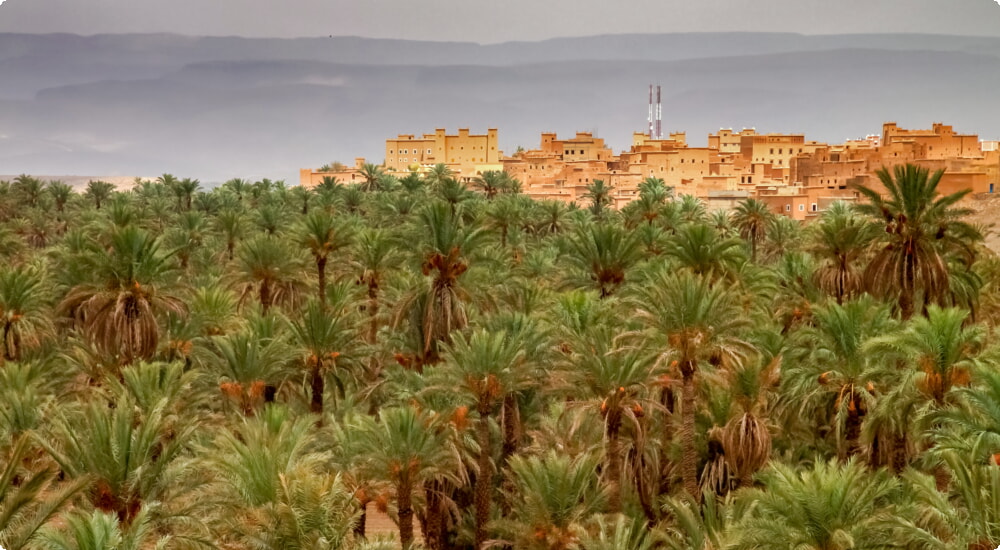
987,213
380,524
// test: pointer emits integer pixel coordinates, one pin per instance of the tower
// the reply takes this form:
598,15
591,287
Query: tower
659,115
649,118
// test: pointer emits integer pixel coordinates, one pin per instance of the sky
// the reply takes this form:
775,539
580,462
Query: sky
490,21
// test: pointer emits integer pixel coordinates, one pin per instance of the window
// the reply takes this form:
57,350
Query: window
802,208
788,208
814,207
405,151
428,151
772,151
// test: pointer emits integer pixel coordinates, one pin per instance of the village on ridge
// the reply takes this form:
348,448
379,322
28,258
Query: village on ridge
793,176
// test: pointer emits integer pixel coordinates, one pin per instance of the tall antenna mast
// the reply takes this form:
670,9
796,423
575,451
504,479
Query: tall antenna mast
659,115
650,117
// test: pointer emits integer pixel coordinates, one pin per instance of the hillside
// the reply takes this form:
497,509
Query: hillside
217,107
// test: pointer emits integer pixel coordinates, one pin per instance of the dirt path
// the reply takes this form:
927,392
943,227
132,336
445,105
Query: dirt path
380,524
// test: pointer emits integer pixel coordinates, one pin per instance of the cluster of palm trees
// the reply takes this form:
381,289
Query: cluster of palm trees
256,366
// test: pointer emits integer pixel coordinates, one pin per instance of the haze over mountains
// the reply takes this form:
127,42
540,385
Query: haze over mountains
216,108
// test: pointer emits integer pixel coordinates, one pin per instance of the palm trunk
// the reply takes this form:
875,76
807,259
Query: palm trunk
689,456
372,310
853,428
484,479
265,295
321,276
511,442
614,463
317,386
404,496
361,526
669,401
642,489
433,519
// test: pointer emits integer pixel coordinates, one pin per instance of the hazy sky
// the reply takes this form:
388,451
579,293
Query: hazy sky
496,20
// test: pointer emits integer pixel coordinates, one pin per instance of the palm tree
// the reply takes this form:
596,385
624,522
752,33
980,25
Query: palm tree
689,320
311,512
833,370
699,248
830,506
751,218
230,223
495,182
126,455
118,311
840,241
376,253
453,192
438,309
967,516
653,195
691,209
560,496
302,195
605,253
974,420
784,237
99,530
329,184
249,363
278,487
270,270
324,340
922,231
185,190
322,235
187,236
485,367
505,214
616,382
27,503
437,175
942,346
372,174
599,195
621,532
23,312
99,192
405,449
270,218
552,216
238,187
705,525
60,193
29,189
746,438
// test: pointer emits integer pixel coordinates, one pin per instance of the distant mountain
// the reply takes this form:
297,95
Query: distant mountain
216,108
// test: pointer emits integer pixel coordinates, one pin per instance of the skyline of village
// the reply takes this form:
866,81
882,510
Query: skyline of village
793,175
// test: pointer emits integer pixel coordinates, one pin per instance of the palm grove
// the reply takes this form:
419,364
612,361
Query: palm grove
254,366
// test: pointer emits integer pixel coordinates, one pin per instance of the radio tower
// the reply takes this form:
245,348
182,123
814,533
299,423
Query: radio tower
650,117
659,115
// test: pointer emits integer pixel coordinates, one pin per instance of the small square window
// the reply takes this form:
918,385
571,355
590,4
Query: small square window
802,208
